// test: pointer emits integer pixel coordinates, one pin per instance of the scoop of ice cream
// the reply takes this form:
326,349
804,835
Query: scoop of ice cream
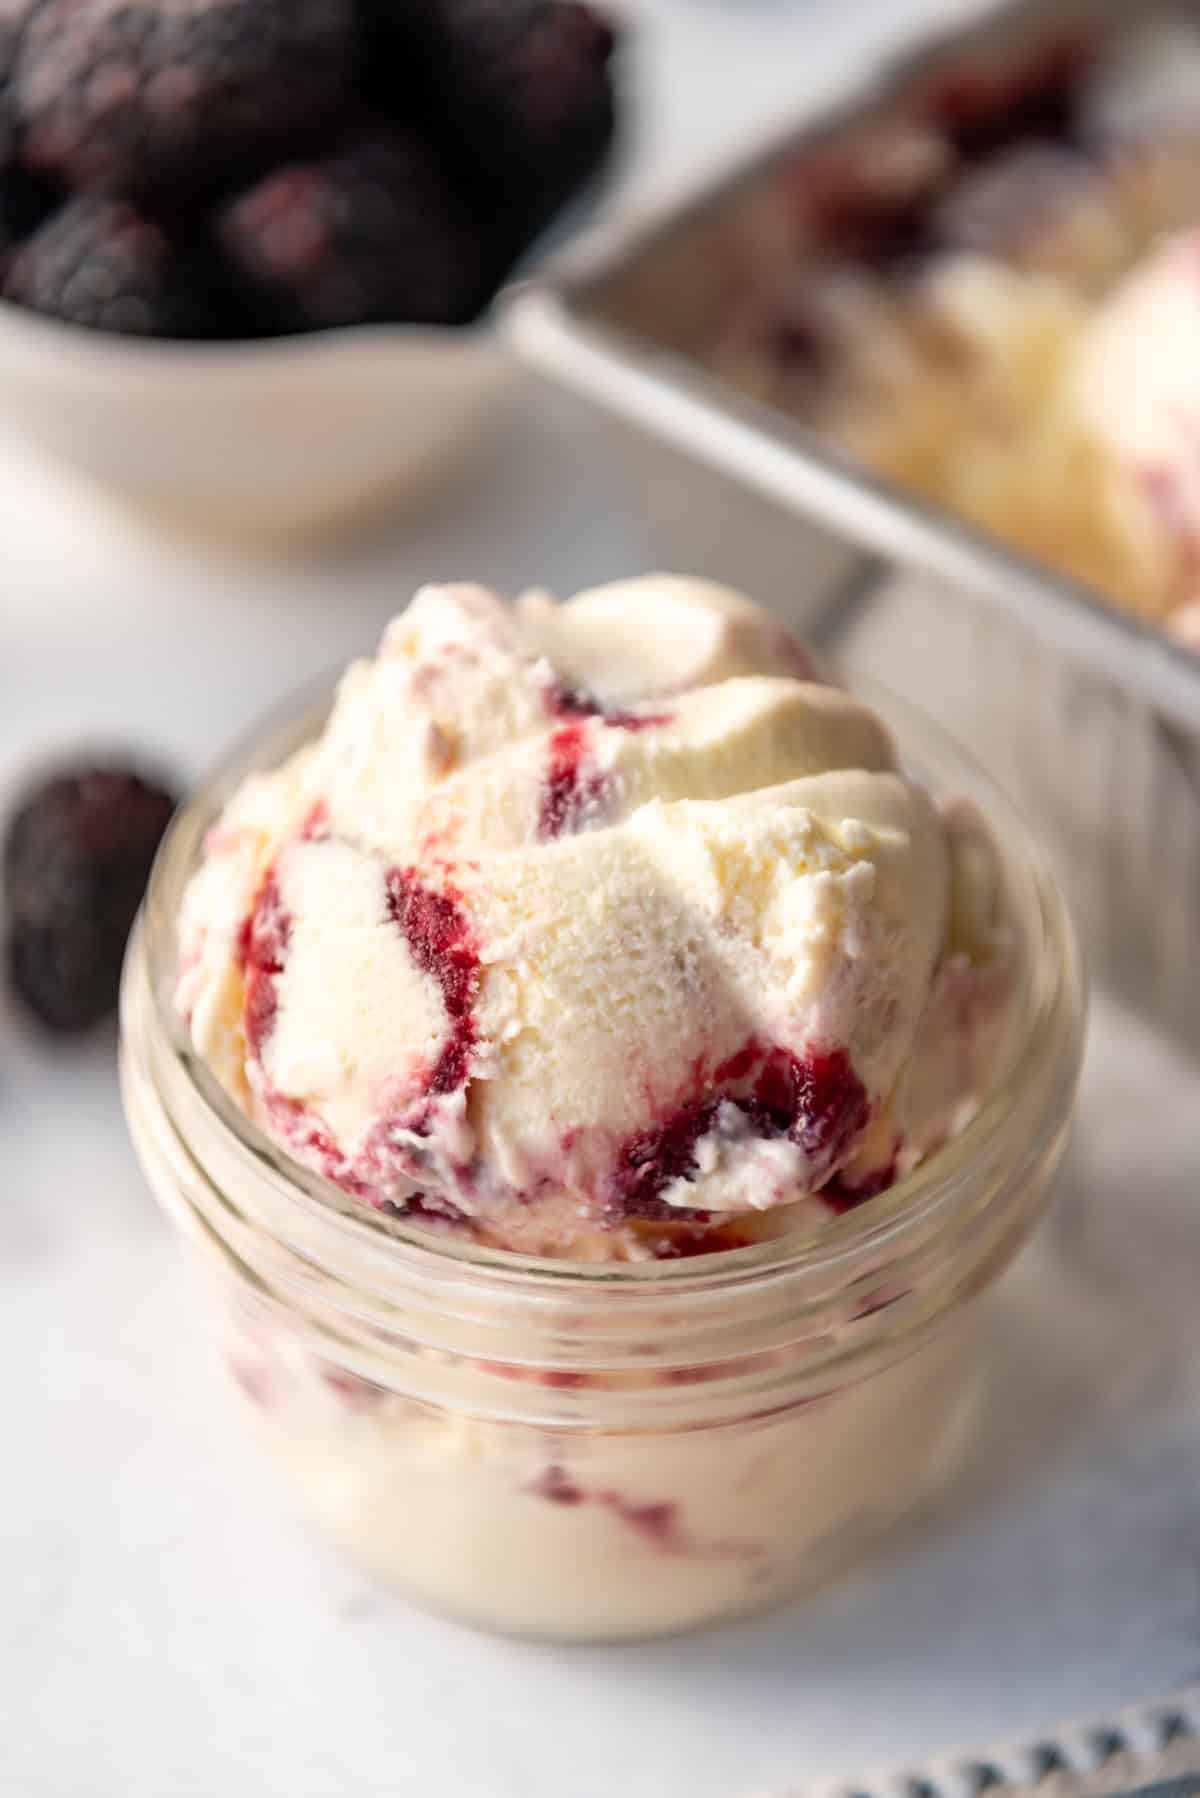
1136,386
594,927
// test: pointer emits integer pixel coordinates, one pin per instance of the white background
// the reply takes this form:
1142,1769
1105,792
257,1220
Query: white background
165,1627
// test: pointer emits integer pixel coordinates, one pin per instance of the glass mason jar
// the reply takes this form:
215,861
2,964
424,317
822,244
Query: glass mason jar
591,1452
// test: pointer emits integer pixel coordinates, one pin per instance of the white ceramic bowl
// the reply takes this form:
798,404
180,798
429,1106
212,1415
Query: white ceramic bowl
278,438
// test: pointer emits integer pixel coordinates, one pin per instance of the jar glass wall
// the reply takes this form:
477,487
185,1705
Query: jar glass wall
591,1452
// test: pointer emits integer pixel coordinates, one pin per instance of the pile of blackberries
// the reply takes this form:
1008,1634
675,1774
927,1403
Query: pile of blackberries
243,168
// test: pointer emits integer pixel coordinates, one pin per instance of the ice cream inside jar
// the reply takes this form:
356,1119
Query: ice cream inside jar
604,952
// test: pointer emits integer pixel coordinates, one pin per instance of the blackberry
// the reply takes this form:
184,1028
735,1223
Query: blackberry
178,98
14,16
76,860
518,92
101,263
24,204
369,233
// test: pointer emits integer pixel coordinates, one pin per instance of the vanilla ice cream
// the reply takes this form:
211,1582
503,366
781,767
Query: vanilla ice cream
985,290
601,928
606,932
1133,387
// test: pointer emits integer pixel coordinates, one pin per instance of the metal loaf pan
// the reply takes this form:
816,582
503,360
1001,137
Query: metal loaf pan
1091,717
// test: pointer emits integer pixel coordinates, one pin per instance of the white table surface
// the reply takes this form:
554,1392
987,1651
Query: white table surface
165,1627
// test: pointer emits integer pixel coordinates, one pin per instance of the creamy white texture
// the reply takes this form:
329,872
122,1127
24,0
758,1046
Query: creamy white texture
659,635
337,1043
587,1535
582,919
1137,386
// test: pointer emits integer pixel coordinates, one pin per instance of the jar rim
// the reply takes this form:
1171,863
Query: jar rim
1048,1050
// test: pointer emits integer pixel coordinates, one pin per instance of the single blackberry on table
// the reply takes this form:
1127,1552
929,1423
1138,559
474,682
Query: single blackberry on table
178,98
101,263
76,860
518,92
369,233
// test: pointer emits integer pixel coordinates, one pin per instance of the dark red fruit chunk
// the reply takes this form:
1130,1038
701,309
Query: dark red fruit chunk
797,341
76,860
876,230
983,107
687,1234
816,1100
655,1157
841,1196
264,950
367,234
740,1064
145,98
102,264
557,1486
428,1208
657,1522
571,789
854,206
572,702
576,702
241,953
442,943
